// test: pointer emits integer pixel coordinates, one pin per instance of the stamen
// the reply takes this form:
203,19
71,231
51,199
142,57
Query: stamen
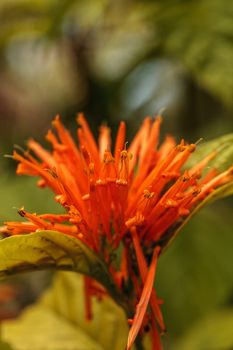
104,140
108,169
143,302
124,168
120,140
41,153
90,141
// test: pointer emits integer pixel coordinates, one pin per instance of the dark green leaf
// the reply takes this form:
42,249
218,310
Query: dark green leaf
195,274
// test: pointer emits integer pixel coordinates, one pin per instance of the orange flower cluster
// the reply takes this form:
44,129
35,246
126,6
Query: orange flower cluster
135,197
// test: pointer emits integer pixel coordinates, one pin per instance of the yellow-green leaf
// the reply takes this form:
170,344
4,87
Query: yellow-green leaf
52,250
39,328
60,317
109,324
222,145
223,160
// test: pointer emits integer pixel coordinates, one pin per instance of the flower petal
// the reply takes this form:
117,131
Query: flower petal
143,302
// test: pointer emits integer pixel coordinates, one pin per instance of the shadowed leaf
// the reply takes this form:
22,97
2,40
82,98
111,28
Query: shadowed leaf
198,267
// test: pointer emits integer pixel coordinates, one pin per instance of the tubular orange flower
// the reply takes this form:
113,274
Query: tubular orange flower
136,197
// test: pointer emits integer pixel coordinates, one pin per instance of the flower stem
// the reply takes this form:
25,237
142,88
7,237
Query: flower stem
138,343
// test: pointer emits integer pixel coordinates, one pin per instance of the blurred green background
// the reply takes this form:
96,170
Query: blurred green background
123,60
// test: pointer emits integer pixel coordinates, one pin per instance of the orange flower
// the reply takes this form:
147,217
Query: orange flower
136,196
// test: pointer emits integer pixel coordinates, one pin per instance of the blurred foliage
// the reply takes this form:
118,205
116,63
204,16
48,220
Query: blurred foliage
17,192
121,60
62,299
8,294
116,59
5,346
195,274
58,334
212,333
198,33
62,307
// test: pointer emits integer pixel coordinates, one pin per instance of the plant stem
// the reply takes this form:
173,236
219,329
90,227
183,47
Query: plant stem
138,343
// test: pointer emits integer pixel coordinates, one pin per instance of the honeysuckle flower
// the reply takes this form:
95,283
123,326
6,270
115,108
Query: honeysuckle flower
133,198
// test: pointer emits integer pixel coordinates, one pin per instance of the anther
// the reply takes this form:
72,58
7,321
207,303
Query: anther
170,203
191,147
185,178
148,194
196,192
22,212
124,154
53,173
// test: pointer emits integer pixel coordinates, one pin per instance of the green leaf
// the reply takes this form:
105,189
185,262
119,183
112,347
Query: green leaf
222,145
52,250
60,318
212,333
40,328
109,325
224,159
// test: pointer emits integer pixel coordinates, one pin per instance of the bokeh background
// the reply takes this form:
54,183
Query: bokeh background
118,60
